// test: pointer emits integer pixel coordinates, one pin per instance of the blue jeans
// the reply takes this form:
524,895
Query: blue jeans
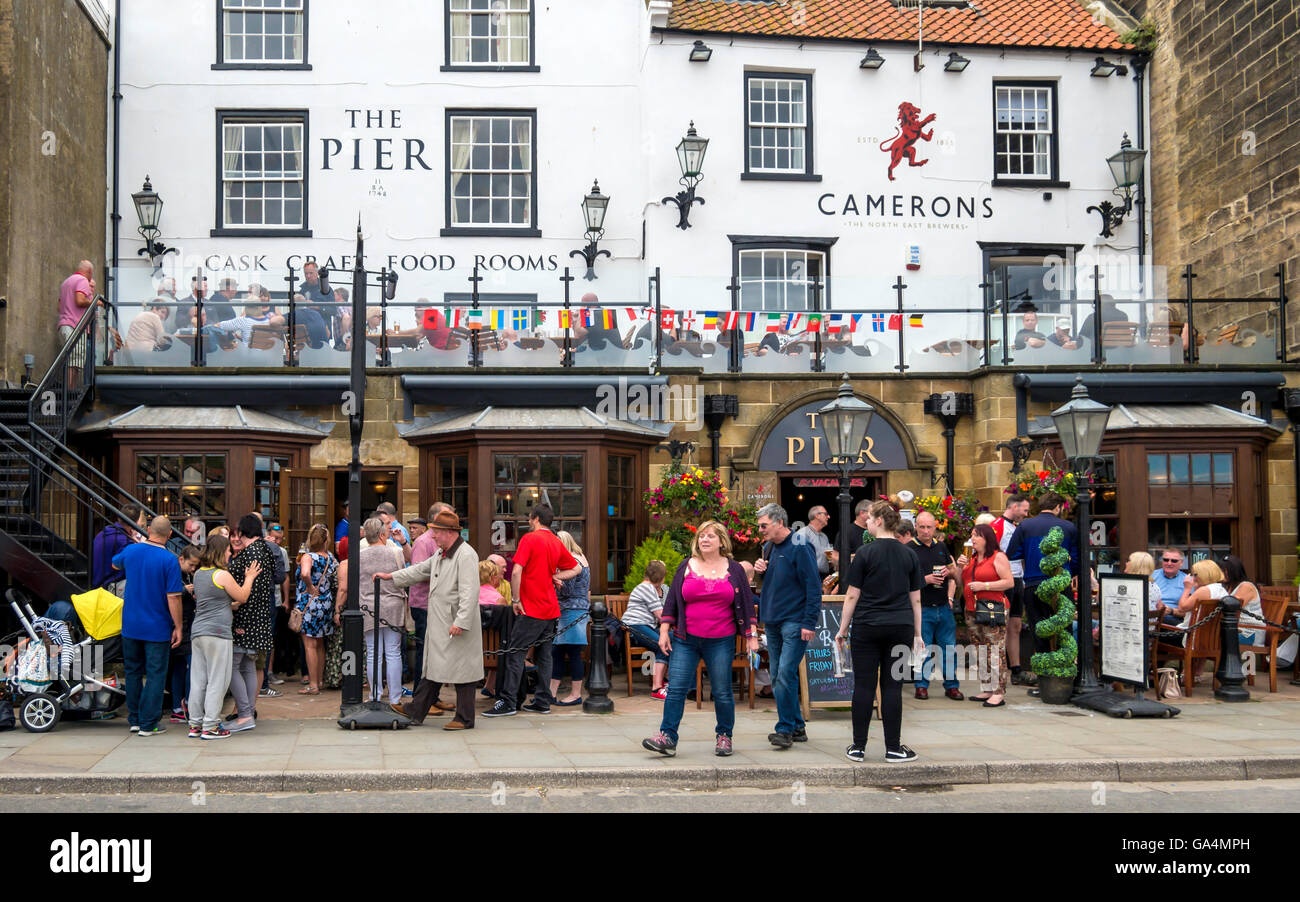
421,618
180,680
784,652
146,672
647,636
938,628
687,652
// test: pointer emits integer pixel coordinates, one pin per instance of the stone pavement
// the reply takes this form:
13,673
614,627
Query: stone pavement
297,745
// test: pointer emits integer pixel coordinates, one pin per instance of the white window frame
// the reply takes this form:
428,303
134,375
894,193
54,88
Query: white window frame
501,17
1039,136
780,293
797,129
484,168
234,121
287,9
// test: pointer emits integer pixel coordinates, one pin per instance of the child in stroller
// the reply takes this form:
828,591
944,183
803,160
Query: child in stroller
59,671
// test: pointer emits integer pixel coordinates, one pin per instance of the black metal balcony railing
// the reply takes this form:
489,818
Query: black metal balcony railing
675,325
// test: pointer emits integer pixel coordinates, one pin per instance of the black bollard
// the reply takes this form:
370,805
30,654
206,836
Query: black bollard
1230,677
598,700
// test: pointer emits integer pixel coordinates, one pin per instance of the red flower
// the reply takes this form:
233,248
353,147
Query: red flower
1043,474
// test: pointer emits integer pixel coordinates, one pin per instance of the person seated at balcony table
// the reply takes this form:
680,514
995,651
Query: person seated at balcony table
597,335
1061,335
255,314
437,333
148,330
1110,313
374,320
1165,326
341,319
304,315
1029,336
221,306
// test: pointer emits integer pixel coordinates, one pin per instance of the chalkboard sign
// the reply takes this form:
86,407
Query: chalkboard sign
823,687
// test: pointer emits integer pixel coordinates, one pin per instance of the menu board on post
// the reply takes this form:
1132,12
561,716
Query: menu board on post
1123,624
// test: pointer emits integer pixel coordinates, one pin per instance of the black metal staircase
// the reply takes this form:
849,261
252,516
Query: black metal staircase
52,502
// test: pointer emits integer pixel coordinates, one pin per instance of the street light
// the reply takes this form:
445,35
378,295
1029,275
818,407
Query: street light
700,52
1080,425
593,212
690,157
148,209
844,423
1126,169
872,60
956,63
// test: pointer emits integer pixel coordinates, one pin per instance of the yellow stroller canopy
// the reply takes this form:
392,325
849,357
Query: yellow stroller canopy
100,612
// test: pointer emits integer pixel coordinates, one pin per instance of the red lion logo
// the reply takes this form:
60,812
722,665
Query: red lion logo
903,142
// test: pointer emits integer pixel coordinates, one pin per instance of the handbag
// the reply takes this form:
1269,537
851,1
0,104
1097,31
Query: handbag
990,612
1167,685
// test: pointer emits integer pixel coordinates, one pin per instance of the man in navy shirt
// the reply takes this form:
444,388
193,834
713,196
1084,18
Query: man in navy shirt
789,607
1025,547
151,623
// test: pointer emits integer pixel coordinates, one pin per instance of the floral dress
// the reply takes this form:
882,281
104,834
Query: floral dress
318,612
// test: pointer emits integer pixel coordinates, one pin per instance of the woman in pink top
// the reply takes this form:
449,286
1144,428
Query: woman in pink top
489,574
708,603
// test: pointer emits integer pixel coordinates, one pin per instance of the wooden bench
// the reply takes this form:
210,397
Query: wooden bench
1118,334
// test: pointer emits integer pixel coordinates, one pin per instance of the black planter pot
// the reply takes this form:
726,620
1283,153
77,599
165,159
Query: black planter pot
1054,690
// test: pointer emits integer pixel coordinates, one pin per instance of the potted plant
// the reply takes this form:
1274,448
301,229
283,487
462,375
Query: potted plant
1056,669
658,547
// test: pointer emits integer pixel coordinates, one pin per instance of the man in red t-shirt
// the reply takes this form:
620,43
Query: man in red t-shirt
540,561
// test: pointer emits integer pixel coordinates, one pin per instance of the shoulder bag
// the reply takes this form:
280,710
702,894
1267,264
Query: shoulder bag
296,615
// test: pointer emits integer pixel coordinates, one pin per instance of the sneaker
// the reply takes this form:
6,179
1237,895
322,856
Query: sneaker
134,729
902,753
216,733
235,726
154,731
780,740
856,753
799,735
501,709
179,717
407,693
660,693
196,730
275,681
534,708
268,692
722,747
660,743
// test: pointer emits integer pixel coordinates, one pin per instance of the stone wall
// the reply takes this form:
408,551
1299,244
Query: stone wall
54,88
1225,152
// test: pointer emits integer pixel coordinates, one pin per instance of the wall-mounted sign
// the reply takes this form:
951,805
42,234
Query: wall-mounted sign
902,145
796,443
826,482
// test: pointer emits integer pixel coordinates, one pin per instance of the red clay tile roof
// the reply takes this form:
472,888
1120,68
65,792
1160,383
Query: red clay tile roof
999,23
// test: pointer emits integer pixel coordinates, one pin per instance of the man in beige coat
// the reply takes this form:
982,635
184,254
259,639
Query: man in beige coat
453,644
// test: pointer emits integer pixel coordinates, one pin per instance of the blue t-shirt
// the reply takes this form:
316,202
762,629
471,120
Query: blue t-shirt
340,531
1170,589
152,573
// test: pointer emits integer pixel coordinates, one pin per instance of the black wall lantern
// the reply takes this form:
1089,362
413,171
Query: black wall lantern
1102,69
956,63
593,211
1126,170
700,52
949,407
690,157
148,208
872,60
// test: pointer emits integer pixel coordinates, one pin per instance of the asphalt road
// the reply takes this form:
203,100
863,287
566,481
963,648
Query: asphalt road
1238,796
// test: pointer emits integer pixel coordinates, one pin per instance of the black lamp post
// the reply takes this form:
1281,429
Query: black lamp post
690,157
353,712
148,208
593,211
1126,169
844,423
1080,425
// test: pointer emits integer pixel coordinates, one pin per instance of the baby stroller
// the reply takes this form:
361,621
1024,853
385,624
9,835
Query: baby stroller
59,669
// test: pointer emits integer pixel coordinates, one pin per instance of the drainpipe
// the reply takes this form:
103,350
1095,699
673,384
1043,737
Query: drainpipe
116,216
1139,61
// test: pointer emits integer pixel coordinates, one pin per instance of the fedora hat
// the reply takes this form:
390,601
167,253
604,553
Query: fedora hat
445,519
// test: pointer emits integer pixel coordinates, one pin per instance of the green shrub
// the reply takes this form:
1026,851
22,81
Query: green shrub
658,547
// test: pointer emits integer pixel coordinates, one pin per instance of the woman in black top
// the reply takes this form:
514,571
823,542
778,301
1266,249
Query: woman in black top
883,603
